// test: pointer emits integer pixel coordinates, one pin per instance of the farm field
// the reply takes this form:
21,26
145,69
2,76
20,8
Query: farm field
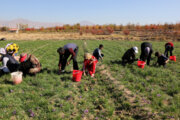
116,92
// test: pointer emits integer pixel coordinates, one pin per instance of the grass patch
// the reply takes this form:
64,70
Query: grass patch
50,96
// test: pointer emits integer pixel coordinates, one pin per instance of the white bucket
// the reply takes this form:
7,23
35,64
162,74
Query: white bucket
16,77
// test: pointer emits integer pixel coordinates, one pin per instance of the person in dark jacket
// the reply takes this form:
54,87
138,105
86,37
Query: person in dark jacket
129,56
97,52
64,53
29,64
9,63
169,47
162,59
146,51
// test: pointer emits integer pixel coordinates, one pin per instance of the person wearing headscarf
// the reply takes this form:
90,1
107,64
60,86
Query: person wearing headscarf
12,49
130,56
29,64
169,47
9,63
89,65
161,59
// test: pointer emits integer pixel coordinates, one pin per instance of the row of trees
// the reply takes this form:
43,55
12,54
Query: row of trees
102,29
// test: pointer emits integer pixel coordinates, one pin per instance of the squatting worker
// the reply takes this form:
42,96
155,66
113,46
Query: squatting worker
161,59
70,49
89,66
9,63
169,47
146,52
97,52
29,64
130,56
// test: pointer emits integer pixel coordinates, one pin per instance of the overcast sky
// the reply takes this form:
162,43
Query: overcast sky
96,11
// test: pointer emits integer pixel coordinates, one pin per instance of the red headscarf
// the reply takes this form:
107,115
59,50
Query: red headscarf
23,58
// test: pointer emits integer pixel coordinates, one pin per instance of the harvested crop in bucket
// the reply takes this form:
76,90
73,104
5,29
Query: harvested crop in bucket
16,77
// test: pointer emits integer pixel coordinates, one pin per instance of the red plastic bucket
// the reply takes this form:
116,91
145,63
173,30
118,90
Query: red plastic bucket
173,58
77,74
141,64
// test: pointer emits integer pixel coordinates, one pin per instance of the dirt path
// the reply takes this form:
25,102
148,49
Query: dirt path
141,111
129,95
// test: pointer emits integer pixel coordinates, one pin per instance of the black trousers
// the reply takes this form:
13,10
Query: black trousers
13,67
1,72
168,48
144,55
75,64
163,64
127,60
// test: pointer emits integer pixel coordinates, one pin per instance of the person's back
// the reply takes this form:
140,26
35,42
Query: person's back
169,43
89,64
10,62
128,54
29,64
146,44
96,52
69,46
4,68
169,47
70,49
36,66
91,61
162,60
146,51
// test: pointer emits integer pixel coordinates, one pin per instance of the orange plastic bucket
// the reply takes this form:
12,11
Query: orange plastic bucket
77,74
141,64
173,58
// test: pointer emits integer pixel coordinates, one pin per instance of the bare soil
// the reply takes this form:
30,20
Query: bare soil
134,36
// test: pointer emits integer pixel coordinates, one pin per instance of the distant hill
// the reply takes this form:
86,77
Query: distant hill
83,23
35,24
